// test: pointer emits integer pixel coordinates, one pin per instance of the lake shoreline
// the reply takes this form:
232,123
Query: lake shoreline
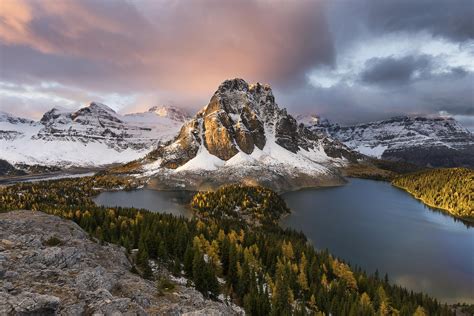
444,210
379,212
55,175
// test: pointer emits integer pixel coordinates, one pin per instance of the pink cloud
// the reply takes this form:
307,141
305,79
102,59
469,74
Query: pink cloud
177,46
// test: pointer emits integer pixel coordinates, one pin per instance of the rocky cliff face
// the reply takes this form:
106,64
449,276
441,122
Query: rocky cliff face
6,169
93,135
243,134
436,142
49,266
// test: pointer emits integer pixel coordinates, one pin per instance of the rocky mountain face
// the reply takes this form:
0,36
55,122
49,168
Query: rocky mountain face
50,266
98,122
93,135
6,169
242,135
436,142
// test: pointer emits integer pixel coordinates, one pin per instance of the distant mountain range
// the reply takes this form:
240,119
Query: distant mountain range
241,133
431,142
92,136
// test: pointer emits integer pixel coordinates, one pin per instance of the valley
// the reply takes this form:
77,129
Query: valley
281,260
361,222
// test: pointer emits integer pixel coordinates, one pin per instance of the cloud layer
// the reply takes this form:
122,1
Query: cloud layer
342,59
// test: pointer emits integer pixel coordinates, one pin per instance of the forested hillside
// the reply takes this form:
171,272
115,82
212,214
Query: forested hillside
252,205
448,189
268,270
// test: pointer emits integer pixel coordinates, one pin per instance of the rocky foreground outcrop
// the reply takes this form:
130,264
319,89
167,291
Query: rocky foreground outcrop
50,266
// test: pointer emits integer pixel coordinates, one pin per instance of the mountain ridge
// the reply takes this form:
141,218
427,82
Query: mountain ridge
425,141
234,127
91,136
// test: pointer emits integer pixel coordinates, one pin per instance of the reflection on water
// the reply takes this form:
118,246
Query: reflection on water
367,223
376,226
173,202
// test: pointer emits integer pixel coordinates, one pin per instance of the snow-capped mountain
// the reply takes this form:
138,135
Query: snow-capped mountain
243,136
92,136
315,123
171,112
437,142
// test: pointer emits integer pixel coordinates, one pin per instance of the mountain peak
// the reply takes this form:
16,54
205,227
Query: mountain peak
233,84
238,84
100,106
308,119
422,140
236,96
240,120
7,117
55,113
171,112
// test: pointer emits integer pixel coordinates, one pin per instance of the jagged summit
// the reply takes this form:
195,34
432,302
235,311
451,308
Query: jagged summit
243,131
93,111
235,94
54,114
96,106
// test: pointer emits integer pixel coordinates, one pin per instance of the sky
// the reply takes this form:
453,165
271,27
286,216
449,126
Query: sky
347,60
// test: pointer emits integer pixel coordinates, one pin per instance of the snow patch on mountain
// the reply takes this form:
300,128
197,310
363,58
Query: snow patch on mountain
376,151
92,136
432,141
243,136
203,161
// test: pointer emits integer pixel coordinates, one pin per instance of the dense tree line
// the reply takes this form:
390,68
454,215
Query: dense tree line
268,270
252,205
448,189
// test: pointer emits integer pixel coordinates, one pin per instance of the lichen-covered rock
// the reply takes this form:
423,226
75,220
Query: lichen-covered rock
50,266
26,303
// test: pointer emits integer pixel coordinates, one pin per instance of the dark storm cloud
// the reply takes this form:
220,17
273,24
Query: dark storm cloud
352,104
134,54
392,70
450,19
